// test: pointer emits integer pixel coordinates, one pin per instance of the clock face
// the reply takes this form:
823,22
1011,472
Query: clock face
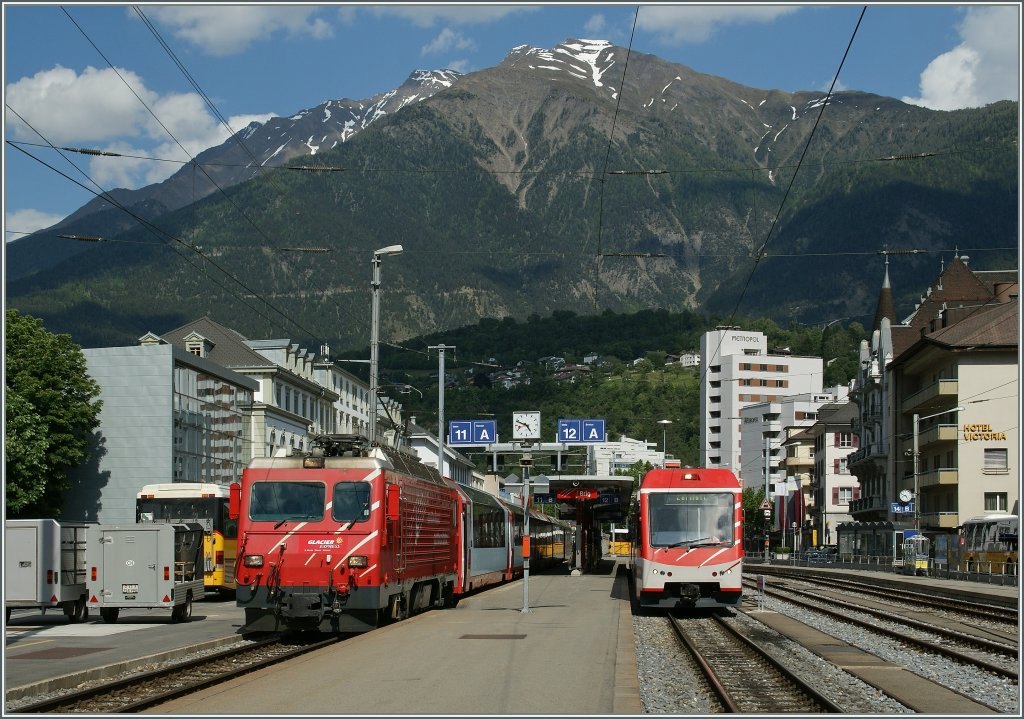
906,495
526,425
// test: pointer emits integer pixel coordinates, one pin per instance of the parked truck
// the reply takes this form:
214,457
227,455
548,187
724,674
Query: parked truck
145,566
45,566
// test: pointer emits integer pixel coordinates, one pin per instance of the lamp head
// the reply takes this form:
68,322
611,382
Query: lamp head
389,250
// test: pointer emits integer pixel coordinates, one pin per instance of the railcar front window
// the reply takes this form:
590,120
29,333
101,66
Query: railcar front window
351,502
283,501
690,519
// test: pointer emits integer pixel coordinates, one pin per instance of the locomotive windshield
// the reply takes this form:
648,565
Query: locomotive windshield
351,502
690,519
282,501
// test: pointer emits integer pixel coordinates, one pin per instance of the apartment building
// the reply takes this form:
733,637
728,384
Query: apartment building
947,375
168,415
741,372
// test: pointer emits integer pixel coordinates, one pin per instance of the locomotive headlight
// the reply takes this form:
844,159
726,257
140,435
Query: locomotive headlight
253,560
357,561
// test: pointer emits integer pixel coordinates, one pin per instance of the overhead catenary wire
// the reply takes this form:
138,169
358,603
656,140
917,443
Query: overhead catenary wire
196,165
764,246
161,233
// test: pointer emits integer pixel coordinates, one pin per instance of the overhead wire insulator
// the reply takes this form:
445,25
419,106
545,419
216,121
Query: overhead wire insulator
90,151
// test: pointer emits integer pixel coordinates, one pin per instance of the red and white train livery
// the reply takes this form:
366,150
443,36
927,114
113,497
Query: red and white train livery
688,539
351,536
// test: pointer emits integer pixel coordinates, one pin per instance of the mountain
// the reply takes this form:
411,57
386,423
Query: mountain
556,181
249,152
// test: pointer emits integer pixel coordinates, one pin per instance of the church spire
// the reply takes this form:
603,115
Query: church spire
886,307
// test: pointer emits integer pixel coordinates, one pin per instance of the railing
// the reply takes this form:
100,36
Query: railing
943,388
983,572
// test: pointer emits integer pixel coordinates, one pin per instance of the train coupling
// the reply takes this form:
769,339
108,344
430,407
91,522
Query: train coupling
688,594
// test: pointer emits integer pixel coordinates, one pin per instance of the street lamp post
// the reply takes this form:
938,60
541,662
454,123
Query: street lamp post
374,332
917,423
664,435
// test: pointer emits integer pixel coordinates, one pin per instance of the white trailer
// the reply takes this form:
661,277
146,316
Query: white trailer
44,566
145,566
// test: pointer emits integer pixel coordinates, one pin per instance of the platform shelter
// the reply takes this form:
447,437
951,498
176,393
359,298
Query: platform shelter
586,499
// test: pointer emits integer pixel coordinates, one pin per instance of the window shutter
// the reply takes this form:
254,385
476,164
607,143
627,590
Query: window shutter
835,466
856,441
835,495
856,493
835,439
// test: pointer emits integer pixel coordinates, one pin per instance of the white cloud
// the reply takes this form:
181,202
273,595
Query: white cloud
447,40
697,23
27,221
429,15
230,29
982,69
96,110
595,25
64,106
462,66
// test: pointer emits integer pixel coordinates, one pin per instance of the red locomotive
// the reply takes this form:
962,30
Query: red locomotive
352,536
688,539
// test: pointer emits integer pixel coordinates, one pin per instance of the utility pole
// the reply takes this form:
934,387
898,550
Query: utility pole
767,469
526,462
440,404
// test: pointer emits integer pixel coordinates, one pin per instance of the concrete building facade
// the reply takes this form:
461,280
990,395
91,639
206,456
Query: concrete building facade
740,372
948,375
167,416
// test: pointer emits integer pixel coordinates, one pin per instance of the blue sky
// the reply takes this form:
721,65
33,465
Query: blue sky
255,61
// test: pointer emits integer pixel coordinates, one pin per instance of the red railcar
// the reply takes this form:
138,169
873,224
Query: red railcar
688,539
343,539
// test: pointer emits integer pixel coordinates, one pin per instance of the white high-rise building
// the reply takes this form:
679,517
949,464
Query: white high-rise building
764,428
739,372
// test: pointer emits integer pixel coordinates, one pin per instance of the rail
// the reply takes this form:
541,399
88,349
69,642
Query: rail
996,573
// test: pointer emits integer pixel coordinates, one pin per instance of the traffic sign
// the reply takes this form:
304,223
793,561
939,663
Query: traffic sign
472,432
765,504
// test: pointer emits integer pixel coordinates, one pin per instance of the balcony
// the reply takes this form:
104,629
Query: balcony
938,433
868,453
939,394
799,462
941,520
943,475
869,504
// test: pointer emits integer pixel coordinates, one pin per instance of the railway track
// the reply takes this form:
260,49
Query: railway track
744,677
148,689
987,612
940,646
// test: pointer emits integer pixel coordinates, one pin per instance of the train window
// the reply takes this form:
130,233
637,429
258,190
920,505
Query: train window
351,502
276,501
691,518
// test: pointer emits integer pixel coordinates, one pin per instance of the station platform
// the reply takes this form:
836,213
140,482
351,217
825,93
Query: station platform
572,652
1001,595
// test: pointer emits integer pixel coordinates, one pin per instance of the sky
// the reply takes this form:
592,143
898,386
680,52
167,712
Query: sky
132,78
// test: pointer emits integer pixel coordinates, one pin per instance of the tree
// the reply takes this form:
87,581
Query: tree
51,412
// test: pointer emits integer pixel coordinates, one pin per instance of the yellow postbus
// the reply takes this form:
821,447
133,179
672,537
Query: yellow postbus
201,503
988,544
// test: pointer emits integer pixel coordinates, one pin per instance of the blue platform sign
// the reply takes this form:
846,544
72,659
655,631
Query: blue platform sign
578,431
593,430
472,432
897,508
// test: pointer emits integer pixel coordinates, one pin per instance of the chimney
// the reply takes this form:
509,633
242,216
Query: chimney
1005,291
